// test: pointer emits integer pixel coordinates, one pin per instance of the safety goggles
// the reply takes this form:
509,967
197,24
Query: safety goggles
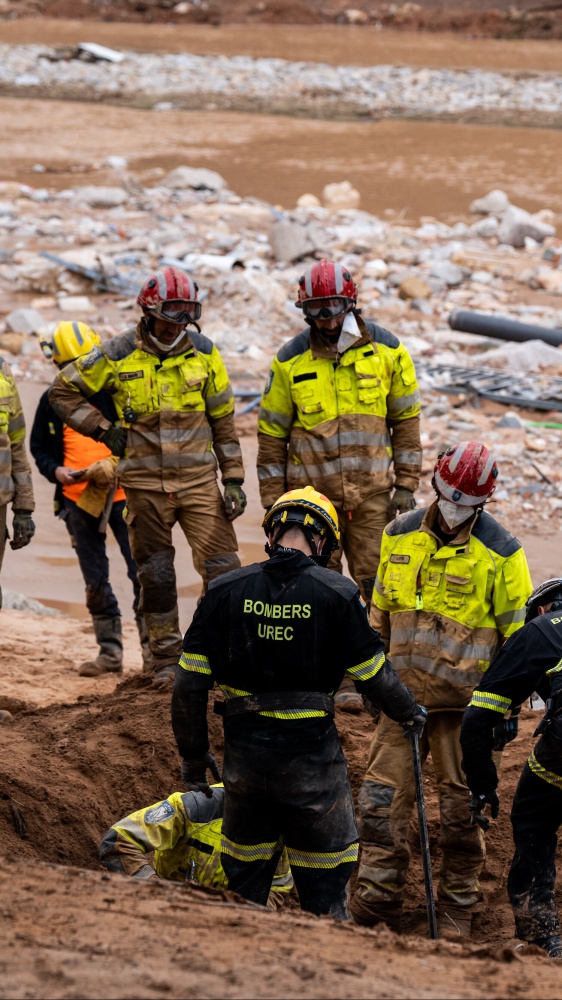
178,310
325,308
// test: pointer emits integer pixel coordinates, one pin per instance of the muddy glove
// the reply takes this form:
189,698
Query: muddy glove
414,726
194,774
23,528
234,498
116,440
102,473
477,805
506,730
402,500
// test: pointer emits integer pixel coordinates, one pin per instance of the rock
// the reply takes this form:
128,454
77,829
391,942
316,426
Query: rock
24,321
495,201
12,342
510,420
75,304
290,241
526,357
198,178
414,288
44,302
308,201
517,224
547,278
377,268
19,602
116,162
5,716
100,197
355,16
341,196
486,227
448,272
10,704
536,443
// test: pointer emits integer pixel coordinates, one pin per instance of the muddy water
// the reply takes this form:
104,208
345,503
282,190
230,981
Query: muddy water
413,168
362,46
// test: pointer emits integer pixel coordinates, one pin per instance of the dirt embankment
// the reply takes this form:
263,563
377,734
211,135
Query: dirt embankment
476,17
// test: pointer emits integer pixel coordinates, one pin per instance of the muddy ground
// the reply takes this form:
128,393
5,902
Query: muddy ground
500,19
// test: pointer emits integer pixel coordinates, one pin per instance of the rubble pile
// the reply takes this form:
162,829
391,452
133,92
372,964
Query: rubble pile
247,257
89,72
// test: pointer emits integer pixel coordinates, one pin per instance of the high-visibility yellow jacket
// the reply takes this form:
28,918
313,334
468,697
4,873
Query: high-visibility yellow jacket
15,473
184,831
178,410
444,610
339,421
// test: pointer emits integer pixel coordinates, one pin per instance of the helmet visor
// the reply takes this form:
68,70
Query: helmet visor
179,311
325,308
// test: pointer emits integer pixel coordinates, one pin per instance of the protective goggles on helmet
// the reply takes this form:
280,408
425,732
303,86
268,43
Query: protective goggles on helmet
179,311
325,308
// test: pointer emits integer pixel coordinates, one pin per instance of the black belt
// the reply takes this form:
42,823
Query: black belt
275,701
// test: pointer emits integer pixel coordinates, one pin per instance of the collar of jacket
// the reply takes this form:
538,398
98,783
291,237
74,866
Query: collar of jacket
145,345
289,561
462,536
320,349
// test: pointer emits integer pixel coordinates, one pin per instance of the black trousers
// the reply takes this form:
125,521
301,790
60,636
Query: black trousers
92,556
536,816
277,797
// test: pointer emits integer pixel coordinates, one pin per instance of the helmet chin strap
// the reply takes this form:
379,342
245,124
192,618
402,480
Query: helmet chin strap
166,348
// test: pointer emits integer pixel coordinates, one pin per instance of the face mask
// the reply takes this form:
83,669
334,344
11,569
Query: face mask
166,348
453,514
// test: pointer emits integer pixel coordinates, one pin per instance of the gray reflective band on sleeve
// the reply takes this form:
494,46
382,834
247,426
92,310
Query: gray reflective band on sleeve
219,399
408,457
511,617
399,403
16,423
273,471
283,420
229,450
145,872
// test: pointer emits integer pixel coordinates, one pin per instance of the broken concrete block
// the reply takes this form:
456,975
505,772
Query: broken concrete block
494,202
308,201
100,197
414,288
198,178
341,196
75,304
290,241
24,320
517,224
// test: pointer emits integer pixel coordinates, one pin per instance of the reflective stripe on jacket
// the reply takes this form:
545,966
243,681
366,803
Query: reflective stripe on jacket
15,473
446,609
178,410
339,421
184,831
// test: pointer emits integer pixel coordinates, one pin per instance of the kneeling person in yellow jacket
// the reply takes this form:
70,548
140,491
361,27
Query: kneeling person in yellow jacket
184,831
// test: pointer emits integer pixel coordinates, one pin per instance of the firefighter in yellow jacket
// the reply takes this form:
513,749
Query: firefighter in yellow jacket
451,586
15,473
184,831
176,407
341,405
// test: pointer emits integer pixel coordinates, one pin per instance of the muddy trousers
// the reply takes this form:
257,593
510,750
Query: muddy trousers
536,816
303,801
3,537
151,515
386,803
361,531
90,546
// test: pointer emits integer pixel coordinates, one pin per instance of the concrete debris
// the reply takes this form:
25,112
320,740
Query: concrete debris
308,201
290,241
25,321
19,602
100,197
100,53
528,357
200,179
493,203
76,304
338,196
414,288
517,224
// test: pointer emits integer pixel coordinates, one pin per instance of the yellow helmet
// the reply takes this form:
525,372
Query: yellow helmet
70,340
309,510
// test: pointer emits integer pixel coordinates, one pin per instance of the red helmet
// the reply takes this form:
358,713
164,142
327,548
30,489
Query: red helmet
170,294
325,290
466,474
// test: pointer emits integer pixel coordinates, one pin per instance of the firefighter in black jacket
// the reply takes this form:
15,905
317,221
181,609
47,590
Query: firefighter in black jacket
531,660
277,638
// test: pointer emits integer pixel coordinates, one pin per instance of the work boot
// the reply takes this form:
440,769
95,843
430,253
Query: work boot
552,946
147,660
371,914
164,676
453,922
347,698
109,638
165,645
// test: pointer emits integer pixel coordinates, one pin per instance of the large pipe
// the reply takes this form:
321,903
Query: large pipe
502,328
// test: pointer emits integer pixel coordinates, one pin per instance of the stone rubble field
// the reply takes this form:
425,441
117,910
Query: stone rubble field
242,83
247,257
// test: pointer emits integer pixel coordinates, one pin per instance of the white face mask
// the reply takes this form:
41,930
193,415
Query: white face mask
166,348
453,514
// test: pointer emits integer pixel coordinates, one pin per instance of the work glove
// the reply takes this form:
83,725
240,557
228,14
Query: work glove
477,805
505,731
102,473
23,528
194,774
234,498
414,726
401,501
116,440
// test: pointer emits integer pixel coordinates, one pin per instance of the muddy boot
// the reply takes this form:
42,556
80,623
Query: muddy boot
371,914
165,645
552,946
147,660
347,698
454,922
110,657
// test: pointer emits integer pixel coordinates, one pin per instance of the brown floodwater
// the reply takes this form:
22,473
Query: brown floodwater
341,44
401,167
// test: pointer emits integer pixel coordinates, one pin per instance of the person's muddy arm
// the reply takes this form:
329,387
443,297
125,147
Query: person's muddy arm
158,827
72,388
